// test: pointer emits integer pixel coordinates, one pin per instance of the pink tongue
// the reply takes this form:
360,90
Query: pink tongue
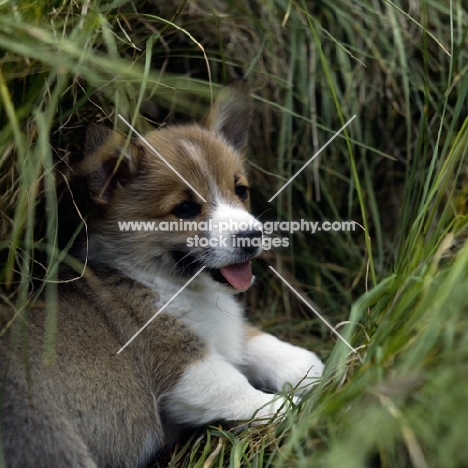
239,275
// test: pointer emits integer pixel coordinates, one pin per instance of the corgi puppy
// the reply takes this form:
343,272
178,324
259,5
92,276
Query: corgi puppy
120,385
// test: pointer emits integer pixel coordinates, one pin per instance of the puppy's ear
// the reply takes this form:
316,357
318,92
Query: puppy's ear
231,114
108,163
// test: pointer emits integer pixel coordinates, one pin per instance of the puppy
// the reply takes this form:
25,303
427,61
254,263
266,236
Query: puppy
106,401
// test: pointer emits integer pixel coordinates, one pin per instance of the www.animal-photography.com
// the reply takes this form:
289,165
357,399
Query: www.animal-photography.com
233,234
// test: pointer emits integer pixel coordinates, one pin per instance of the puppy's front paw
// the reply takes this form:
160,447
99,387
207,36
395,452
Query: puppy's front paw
303,368
274,363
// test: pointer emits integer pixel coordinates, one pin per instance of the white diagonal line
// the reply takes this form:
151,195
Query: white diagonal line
157,153
312,309
160,310
312,158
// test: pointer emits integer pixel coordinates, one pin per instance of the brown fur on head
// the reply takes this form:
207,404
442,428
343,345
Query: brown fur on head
128,181
111,161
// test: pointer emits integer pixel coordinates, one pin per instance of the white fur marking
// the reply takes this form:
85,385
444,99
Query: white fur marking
227,222
193,150
233,216
215,316
213,390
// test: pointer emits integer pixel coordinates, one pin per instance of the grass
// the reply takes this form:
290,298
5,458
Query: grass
396,288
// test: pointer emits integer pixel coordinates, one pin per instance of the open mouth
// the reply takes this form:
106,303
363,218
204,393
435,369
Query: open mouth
237,275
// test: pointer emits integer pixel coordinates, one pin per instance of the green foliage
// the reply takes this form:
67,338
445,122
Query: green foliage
396,286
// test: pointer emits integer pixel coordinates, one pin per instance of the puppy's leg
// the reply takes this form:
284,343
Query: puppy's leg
271,363
212,390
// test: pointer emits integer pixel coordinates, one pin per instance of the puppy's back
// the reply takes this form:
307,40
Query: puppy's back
83,405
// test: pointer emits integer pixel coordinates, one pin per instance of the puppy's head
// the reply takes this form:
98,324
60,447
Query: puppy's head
176,201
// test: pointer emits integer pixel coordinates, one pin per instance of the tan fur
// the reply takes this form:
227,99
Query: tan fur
165,188
252,332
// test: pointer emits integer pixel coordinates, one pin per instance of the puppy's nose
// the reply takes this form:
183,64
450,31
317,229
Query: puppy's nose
249,241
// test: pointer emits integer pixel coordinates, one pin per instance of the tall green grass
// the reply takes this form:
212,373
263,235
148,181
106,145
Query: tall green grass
395,288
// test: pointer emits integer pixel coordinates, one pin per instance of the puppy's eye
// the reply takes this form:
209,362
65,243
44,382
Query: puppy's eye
242,192
186,209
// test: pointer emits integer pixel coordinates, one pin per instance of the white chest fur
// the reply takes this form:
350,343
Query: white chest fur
213,314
